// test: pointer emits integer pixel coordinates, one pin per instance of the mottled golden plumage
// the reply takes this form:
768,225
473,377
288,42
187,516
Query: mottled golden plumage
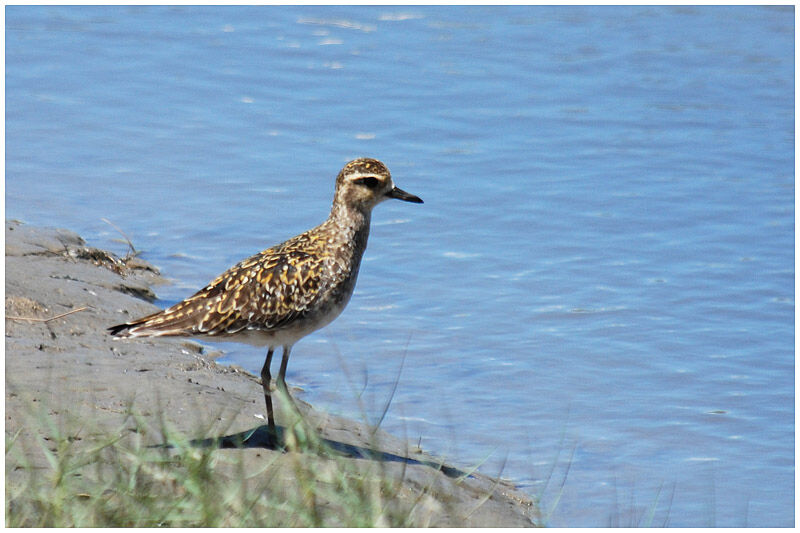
278,296
265,292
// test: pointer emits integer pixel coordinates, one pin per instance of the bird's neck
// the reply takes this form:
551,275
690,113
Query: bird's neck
352,224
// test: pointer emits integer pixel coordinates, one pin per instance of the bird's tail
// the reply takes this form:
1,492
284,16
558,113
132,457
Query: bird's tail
168,322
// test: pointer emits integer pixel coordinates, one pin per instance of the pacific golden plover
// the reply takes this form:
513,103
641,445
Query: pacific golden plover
282,294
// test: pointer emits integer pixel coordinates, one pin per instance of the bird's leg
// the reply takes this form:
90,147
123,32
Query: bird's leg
281,382
282,387
266,378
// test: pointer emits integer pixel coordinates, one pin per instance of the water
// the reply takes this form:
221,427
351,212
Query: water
597,296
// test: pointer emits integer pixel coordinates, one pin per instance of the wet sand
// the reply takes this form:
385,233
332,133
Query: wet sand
72,368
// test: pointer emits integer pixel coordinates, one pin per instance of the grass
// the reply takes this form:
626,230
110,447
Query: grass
67,474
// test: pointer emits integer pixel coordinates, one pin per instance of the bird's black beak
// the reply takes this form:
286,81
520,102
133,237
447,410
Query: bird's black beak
400,194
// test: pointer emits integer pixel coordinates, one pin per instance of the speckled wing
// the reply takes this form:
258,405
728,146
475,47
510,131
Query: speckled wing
267,291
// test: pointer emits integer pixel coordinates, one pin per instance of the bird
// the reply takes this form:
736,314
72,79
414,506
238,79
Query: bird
280,295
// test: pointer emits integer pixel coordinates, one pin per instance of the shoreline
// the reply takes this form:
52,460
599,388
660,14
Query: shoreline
61,295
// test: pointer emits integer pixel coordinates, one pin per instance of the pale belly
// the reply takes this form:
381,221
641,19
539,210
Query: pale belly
284,336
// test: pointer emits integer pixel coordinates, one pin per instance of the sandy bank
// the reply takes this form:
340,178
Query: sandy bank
72,368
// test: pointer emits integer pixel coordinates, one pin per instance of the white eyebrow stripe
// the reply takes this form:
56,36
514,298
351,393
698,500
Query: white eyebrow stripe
367,175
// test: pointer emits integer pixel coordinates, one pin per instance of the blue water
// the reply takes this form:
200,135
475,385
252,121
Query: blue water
597,297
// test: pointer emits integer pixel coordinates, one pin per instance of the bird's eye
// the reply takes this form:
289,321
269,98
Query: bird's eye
370,183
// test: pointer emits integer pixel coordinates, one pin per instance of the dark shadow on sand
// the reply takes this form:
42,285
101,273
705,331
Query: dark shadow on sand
260,437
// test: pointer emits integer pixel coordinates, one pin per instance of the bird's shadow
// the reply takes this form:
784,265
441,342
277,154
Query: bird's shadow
260,437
